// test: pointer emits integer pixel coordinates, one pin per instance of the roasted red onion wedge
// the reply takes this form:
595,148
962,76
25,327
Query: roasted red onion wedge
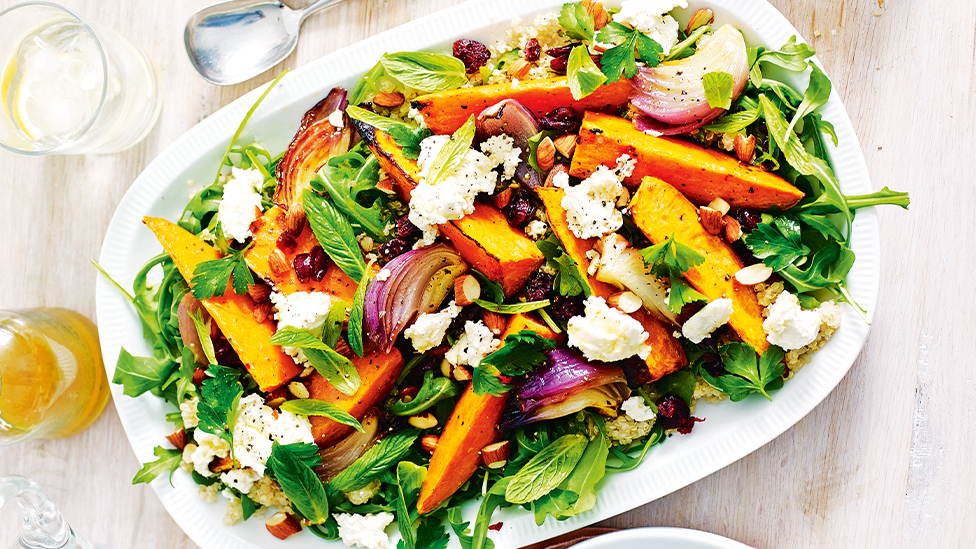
190,305
512,118
317,140
342,454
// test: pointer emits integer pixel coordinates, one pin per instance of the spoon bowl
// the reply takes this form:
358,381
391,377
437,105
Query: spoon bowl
234,41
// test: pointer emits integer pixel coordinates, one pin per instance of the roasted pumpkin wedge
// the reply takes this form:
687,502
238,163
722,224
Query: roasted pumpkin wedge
488,243
700,174
378,373
471,427
660,210
268,364
667,354
403,170
267,229
445,112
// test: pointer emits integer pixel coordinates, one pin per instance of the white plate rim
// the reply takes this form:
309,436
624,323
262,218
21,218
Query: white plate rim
670,466
685,538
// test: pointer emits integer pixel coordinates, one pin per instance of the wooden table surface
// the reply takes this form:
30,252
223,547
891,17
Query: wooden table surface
887,460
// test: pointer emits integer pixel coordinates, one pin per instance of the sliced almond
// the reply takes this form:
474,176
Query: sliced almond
258,292
495,455
745,147
261,311
711,220
429,442
519,68
720,205
423,421
545,154
298,390
461,373
295,218
699,19
446,368
277,262
733,230
388,99
502,199
309,370
282,525
627,302
753,274
566,144
556,170
494,321
466,290
178,439
276,398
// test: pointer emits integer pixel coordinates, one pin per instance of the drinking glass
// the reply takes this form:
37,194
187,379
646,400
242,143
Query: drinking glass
43,525
70,87
52,382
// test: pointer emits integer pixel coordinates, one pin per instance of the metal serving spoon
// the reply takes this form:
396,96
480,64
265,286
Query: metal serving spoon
233,41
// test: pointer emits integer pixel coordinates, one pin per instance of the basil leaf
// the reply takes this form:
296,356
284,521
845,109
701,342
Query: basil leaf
366,87
409,479
169,461
140,374
354,329
375,461
332,327
290,336
449,157
546,469
299,483
577,21
313,407
583,75
378,121
335,234
425,71
337,369
718,89
511,309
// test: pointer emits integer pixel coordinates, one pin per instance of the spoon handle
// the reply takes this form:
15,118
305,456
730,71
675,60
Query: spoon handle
312,8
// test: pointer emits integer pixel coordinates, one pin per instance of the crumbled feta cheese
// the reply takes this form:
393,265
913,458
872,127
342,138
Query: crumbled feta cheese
306,310
241,203
257,427
428,330
536,229
501,150
364,530
335,118
452,197
475,343
188,409
635,408
383,275
591,206
650,17
208,447
788,325
362,496
241,479
418,118
705,321
606,334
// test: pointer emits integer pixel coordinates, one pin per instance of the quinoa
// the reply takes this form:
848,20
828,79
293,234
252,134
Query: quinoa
624,429
544,28
706,392
266,493
209,493
767,294
235,512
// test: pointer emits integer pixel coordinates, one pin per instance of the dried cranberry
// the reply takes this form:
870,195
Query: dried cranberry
472,53
712,363
319,263
562,119
748,218
539,287
392,248
224,353
234,244
560,57
674,414
303,267
519,209
565,308
469,312
288,240
532,50
405,229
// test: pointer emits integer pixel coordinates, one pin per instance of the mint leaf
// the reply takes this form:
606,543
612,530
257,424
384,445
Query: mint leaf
299,482
203,334
289,336
718,89
778,243
583,75
425,71
313,407
354,329
334,233
409,479
520,353
211,278
577,21
337,369
304,452
375,461
137,375
332,327
366,87
546,469
378,121
169,461
512,308
449,157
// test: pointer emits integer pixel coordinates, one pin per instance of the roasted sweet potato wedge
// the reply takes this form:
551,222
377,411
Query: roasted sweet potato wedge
666,353
445,112
471,427
700,174
660,210
268,364
267,229
378,372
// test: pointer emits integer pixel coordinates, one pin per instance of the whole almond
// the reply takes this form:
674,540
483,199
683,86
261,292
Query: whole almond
282,525
277,262
258,292
494,321
545,154
600,14
566,144
519,68
745,148
495,455
388,99
429,442
502,199
556,170
733,230
261,311
699,19
178,439
711,220
295,219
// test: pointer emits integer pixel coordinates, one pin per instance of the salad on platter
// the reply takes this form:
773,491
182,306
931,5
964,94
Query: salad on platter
496,275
